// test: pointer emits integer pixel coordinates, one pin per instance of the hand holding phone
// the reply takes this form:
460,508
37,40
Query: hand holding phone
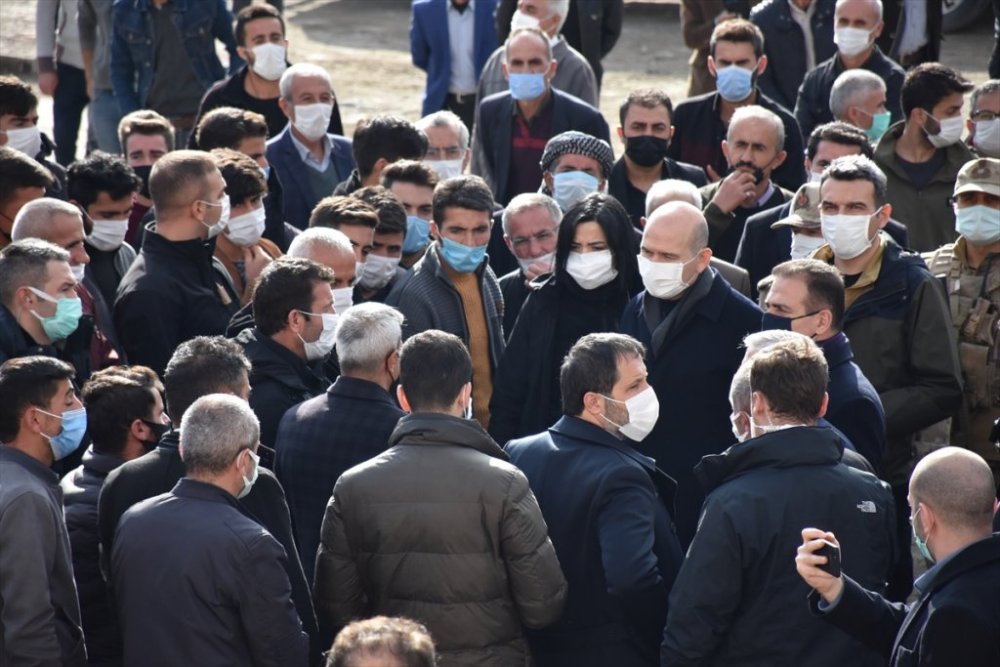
832,553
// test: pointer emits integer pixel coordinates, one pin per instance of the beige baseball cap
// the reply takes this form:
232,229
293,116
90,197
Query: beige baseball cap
979,175
805,209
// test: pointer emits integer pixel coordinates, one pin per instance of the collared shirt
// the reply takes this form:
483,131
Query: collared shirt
803,18
307,156
461,41
767,194
528,138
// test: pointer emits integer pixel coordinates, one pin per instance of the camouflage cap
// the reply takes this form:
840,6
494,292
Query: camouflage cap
979,175
805,209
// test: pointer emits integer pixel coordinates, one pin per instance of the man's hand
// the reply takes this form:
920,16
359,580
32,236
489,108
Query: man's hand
254,261
806,563
737,190
713,175
90,85
47,83
536,269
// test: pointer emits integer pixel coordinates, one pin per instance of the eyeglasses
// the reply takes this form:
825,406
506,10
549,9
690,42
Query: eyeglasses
450,153
541,237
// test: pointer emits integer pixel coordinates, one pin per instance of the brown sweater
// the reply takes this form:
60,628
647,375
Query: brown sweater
468,288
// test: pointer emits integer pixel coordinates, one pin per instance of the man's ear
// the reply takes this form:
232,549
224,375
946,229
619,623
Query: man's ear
401,397
711,66
885,215
761,65
505,70
593,403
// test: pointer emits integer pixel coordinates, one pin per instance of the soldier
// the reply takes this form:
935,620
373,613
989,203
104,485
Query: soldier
970,270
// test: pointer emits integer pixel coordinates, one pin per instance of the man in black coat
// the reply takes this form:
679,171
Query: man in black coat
203,365
692,326
612,526
196,579
955,620
515,125
736,601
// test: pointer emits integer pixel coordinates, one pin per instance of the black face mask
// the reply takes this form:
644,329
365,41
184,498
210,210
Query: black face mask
143,173
646,150
158,429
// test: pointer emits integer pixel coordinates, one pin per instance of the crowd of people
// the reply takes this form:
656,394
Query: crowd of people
471,390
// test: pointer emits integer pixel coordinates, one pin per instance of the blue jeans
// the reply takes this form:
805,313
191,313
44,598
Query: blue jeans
104,117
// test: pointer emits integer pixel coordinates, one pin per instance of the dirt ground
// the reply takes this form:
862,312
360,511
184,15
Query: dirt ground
365,46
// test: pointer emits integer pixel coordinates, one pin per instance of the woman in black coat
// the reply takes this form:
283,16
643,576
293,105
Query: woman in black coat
595,274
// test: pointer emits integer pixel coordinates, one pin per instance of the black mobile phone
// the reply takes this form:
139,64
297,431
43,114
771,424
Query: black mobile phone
832,553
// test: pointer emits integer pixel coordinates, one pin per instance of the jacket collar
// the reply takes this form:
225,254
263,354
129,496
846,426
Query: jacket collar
837,350
357,388
269,359
955,156
15,341
197,490
30,464
579,429
788,448
435,429
100,462
171,440
193,250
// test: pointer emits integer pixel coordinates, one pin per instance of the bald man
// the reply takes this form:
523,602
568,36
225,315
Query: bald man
956,618
691,322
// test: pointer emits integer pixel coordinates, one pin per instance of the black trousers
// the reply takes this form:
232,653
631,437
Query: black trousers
463,106
68,104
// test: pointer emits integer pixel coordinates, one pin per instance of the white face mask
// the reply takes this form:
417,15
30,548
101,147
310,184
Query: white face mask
377,271
803,246
246,230
312,120
847,234
590,270
547,259
248,483
28,140
740,436
851,41
643,411
269,61
319,348
663,279
987,137
950,132
108,235
446,169
522,20
78,270
815,176
214,230
343,298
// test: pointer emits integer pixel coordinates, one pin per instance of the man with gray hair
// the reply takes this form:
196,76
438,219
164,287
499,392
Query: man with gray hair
754,147
530,229
858,97
217,576
857,24
308,159
319,439
984,119
448,151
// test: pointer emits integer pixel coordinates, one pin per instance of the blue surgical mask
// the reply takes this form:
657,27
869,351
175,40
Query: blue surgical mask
734,83
66,318
527,85
74,425
921,544
569,187
266,171
980,224
418,232
462,258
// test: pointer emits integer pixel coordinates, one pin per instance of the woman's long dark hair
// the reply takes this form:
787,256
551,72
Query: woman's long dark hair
623,242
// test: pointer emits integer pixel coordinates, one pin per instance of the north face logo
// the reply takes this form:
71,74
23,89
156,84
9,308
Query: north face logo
867,506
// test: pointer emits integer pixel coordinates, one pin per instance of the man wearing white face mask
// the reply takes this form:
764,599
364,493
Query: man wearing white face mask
612,526
308,160
173,291
892,303
857,24
787,472
295,324
921,157
19,130
448,151
241,247
261,42
984,119
381,270
692,321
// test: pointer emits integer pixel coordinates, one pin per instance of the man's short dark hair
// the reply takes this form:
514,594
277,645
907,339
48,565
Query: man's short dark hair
200,366
433,368
343,210
244,179
389,137
647,98
180,178
841,133
25,263
17,171
146,122
738,30
470,192
374,638
26,382
253,12
16,97
115,397
927,84
858,168
413,172
227,127
286,284
391,214
100,172
792,376
824,286
591,365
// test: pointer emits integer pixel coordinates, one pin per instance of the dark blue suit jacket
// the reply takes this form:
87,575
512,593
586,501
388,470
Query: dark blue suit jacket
298,196
430,47
616,544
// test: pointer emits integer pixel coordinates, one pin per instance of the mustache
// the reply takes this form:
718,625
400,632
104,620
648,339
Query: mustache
758,173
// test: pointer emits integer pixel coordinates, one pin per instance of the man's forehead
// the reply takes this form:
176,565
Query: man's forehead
729,50
441,136
754,130
988,101
527,46
303,83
